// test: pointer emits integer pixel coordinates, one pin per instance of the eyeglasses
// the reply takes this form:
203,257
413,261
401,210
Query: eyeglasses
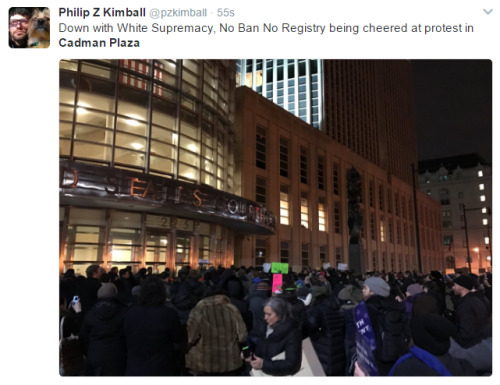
15,23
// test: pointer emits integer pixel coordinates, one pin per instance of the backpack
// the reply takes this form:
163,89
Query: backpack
392,334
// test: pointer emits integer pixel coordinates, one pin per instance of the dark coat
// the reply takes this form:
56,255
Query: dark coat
286,337
150,333
472,321
297,307
255,306
87,289
376,305
325,324
124,288
103,339
184,294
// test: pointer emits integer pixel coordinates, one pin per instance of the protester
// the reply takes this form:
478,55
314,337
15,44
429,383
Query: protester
279,350
471,314
429,356
151,329
156,341
388,321
216,332
102,336
325,325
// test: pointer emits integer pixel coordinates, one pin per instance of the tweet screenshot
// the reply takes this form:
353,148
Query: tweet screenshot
299,188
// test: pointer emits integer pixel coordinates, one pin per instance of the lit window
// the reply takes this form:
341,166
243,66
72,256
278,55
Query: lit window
321,217
284,209
481,186
485,221
304,211
484,210
480,173
482,198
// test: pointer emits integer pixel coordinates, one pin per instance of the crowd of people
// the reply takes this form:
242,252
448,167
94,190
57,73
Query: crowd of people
228,322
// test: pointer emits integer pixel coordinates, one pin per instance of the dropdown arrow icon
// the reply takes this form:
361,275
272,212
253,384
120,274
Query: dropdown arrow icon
488,12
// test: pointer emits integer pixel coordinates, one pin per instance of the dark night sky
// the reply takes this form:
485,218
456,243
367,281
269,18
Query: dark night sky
453,102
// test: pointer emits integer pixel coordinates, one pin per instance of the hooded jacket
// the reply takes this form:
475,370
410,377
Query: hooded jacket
103,339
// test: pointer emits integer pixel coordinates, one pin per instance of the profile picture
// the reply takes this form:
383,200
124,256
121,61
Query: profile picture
29,27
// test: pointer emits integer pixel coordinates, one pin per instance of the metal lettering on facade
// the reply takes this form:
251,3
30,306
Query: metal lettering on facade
86,181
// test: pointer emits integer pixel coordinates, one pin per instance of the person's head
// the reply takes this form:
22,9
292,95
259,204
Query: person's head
414,289
275,311
213,290
376,286
107,290
432,333
18,26
462,285
152,292
93,271
124,273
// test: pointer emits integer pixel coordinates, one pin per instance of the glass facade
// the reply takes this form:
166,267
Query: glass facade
172,118
293,84
168,118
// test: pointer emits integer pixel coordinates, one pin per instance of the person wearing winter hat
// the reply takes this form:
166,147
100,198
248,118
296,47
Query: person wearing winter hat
429,354
465,283
471,314
414,289
101,335
106,290
376,286
380,306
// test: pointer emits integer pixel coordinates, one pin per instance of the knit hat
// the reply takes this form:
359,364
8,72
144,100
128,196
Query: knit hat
414,289
262,286
351,293
464,281
378,286
432,333
106,290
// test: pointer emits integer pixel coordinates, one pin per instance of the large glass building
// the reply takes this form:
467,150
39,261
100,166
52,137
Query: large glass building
147,165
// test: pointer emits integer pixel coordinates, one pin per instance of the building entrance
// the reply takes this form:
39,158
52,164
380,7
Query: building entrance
156,248
182,250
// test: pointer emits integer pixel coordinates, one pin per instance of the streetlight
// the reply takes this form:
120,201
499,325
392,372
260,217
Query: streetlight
479,264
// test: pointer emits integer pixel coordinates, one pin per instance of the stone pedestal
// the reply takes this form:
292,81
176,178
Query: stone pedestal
356,260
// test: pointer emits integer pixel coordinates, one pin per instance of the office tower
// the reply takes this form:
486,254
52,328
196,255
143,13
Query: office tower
365,105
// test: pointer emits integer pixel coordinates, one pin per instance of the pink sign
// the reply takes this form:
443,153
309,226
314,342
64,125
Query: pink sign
277,282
